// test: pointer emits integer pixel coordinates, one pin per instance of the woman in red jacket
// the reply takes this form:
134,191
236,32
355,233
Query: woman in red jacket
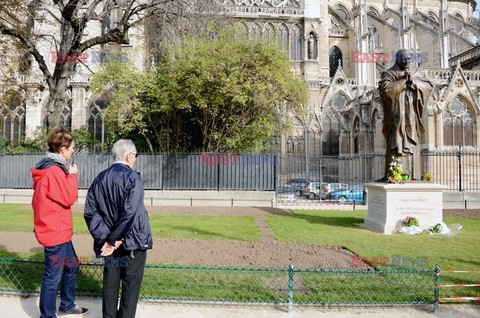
55,188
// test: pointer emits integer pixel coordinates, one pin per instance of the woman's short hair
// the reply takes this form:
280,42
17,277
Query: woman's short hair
121,148
58,138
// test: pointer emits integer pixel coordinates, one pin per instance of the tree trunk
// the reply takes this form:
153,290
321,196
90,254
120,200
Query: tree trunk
150,146
58,97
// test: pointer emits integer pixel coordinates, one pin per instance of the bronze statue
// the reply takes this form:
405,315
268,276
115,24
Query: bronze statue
404,95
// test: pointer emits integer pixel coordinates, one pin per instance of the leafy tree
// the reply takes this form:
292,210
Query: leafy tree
122,86
215,92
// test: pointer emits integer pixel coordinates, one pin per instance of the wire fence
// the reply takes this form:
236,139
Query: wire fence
288,286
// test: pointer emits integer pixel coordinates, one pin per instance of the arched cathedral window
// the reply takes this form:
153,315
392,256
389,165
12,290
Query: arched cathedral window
12,121
458,27
268,32
66,116
296,44
331,134
254,32
342,13
458,124
374,36
336,27
335,59
96,120
282,36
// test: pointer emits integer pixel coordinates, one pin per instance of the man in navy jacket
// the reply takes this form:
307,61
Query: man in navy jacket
118,221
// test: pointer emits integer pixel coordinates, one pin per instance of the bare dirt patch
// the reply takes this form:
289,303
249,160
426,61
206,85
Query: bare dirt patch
267,253
207,253
462,213
207,210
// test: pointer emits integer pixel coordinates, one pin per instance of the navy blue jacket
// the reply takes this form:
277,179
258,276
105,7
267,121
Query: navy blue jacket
114,210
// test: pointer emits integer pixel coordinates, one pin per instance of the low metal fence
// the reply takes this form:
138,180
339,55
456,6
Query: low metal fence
154,201
457,295
287,286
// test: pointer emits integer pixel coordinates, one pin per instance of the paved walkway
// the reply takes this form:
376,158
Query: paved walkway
13,306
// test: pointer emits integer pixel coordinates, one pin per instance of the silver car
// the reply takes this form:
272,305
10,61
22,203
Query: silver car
286,194
313,190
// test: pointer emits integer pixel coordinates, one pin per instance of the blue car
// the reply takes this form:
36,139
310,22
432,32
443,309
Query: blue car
354,193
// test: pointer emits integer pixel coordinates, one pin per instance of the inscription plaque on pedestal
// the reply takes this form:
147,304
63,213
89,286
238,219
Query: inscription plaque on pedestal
389,204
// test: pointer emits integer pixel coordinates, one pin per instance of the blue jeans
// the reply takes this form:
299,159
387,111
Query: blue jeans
59,264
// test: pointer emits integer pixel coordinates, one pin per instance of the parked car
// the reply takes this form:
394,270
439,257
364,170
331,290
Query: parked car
313,190
286,194
299,185
355,193
328,188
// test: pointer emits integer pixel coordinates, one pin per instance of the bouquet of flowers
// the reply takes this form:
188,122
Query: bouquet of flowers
410,225
410,221
437,228
395,171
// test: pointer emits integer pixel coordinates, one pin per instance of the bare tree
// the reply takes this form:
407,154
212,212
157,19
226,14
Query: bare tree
71,18
191,18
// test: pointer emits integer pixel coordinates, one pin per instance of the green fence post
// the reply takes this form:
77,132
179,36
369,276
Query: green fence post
3,197
232,201
191,201
290,288
151,200
436,293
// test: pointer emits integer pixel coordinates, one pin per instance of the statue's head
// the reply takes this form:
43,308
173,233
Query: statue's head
402,58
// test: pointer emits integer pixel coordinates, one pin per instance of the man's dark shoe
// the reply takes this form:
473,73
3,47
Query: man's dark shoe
77,310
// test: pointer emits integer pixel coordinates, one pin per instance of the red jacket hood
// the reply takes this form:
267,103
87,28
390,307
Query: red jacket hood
37,174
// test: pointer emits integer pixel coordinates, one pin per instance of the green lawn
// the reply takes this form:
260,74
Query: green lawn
19,218
338,228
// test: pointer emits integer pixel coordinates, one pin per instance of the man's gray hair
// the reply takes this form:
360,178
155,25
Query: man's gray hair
121,148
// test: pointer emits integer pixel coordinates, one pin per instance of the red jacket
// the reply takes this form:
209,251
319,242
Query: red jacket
54,194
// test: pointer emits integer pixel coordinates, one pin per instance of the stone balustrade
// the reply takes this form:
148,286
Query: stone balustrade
244,10
465,56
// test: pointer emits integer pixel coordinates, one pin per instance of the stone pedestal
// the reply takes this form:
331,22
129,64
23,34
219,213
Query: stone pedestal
389,204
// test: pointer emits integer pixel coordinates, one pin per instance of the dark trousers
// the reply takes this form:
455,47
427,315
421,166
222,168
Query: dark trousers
61,262
121,266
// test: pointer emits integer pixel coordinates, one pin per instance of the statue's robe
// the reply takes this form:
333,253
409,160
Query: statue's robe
403,111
